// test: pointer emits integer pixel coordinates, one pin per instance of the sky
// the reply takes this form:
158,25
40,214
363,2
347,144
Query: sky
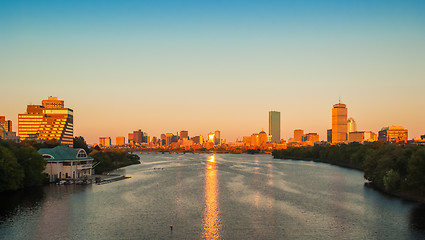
201,66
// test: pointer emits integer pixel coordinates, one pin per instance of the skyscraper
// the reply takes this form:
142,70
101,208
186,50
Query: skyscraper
298,135
274,126
184,135
217,138
339,123
48,121
351,125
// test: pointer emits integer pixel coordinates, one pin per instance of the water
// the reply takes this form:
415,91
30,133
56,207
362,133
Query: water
214,197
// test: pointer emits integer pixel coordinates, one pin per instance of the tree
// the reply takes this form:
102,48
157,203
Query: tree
11,173
416,170
79,142
33,165
391,180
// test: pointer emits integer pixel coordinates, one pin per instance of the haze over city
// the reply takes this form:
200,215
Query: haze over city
166,66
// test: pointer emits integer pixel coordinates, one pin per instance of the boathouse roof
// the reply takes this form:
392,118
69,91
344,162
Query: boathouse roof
63,153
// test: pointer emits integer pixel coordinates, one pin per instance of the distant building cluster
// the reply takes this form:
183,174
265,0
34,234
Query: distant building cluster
53,121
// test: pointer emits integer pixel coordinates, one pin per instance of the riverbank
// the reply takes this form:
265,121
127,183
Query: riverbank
392,169
112,159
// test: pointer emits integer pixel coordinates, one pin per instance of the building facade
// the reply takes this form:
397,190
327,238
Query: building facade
6,124
351,125
311,138
48,121
67,163
393,134
339,123
184,135
120,140
298,135
274,126
329,135
105,141
217,138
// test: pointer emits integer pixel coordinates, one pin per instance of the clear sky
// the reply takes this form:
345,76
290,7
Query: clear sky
166,66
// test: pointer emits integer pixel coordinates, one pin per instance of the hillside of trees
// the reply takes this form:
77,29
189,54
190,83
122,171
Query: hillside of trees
395,169
20,166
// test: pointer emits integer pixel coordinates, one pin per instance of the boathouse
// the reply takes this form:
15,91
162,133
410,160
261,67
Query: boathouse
67,163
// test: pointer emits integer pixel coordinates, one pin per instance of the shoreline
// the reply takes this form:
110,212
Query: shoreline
406,196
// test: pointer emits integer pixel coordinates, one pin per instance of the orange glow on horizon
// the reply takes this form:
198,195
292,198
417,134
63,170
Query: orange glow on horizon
211,223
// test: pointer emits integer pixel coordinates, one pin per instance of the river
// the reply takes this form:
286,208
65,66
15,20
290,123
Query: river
207,196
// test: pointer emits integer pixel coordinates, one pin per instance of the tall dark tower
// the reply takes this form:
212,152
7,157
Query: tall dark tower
274,126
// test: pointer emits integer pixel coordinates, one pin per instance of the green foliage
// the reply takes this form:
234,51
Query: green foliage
20,166
37,145
390,167
111,159
11,173
391,180
79,142
416,170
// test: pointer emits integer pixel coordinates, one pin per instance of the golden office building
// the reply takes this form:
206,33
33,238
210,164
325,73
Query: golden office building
393,134
6,124
339,123
298,135
311,137
105,141
120,141
48,121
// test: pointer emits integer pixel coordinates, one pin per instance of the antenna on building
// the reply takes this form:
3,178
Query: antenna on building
339,100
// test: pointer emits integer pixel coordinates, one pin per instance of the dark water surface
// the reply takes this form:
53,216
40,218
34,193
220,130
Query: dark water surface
214,197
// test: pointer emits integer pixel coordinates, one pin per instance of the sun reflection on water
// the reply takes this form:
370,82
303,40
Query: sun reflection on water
211,223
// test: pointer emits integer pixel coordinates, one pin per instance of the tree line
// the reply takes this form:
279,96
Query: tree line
396,169
20,166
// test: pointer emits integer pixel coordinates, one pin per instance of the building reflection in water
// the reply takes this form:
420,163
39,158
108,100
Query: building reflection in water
211,223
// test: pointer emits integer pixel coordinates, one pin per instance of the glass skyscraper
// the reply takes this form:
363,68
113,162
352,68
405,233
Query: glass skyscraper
274,126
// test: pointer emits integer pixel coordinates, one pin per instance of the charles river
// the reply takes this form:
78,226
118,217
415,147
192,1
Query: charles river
221,196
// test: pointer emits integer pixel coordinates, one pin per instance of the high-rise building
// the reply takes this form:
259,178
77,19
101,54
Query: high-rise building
137,136
217,138
351,125
329,136
311,137
48,121
298,135
197,139
105,141
339,123
120,141
211,137
6,124
184,135
168,138
393,134
274,126
130,138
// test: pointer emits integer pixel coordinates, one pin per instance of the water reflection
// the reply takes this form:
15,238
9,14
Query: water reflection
211,223
25,200
417,217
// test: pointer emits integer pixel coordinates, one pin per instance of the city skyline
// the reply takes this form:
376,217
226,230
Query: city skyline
167,67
